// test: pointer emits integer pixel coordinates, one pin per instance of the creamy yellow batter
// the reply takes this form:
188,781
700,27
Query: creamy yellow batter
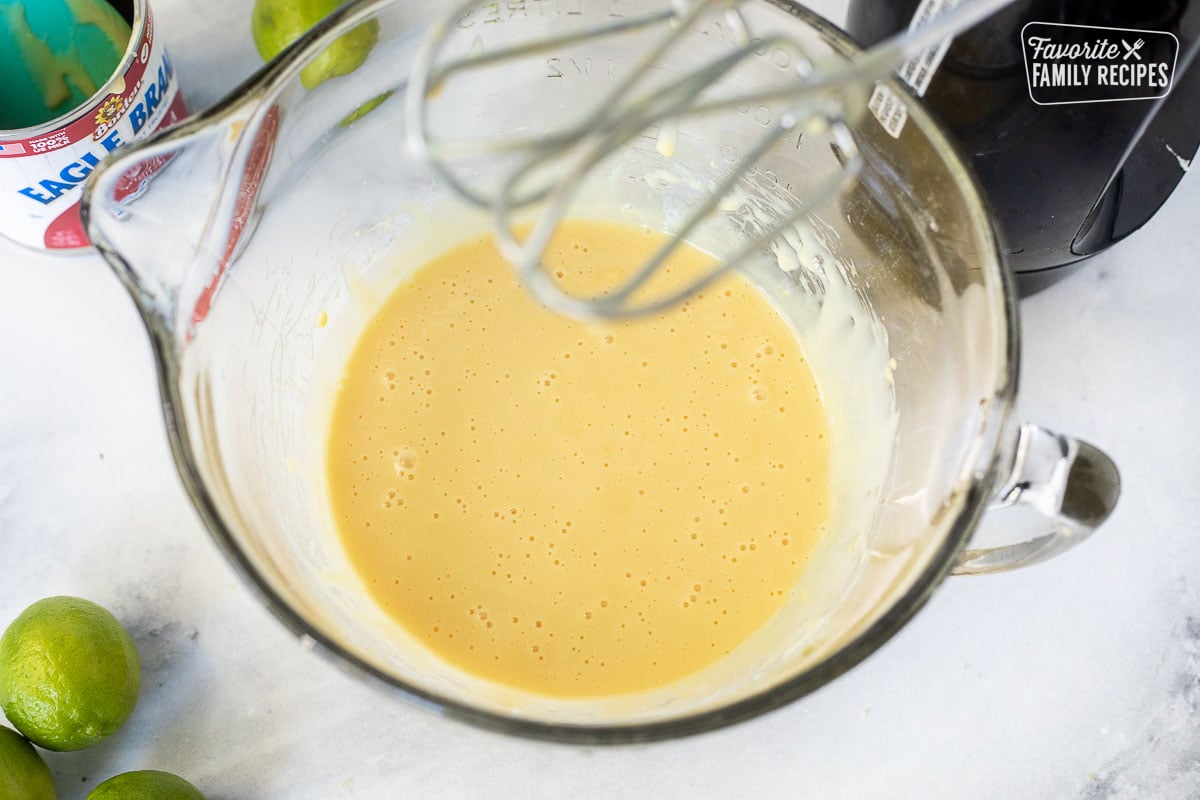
577,509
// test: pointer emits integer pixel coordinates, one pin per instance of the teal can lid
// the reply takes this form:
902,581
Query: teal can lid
54,55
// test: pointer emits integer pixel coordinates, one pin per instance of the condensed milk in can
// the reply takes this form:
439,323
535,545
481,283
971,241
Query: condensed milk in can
42,169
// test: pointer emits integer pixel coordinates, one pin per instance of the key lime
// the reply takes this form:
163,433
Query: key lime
23,774
69,673
277,23
145,785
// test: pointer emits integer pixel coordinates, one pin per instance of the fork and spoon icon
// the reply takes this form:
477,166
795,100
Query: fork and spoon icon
1133,50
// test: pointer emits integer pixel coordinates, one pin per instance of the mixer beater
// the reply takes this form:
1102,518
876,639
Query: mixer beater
547,171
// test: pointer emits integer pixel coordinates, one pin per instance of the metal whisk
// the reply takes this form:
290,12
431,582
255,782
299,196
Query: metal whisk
819,98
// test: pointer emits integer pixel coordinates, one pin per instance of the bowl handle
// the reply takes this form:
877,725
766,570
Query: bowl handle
1071,484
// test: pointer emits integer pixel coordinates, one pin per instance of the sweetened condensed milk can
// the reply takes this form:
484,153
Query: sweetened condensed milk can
81,78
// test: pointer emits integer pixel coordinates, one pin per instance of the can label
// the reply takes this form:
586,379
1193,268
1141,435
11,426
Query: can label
41,176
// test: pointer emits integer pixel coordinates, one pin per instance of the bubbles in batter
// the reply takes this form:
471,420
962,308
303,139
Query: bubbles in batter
577,509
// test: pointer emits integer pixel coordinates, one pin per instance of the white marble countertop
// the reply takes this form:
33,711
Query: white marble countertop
1078,678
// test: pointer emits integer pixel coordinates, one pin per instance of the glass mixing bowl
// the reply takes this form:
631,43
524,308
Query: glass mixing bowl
255,238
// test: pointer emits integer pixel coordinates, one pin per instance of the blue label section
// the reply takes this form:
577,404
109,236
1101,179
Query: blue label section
47,190
149,108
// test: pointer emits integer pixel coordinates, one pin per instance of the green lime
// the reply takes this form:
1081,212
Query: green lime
277,23
366,108
145,785
23,774
69,673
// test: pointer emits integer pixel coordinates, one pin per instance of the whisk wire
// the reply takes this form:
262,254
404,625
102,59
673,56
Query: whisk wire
424,82
818,95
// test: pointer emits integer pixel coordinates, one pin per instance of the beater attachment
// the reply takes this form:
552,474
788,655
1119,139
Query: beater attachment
548,171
